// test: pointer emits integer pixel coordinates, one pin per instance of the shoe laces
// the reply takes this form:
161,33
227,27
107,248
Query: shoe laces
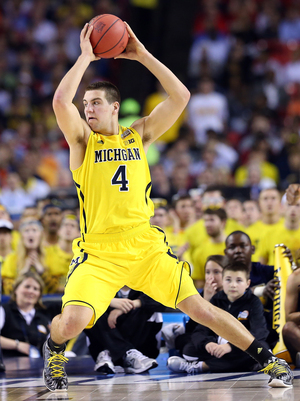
275,368
191,366
55,363
134,353
104,355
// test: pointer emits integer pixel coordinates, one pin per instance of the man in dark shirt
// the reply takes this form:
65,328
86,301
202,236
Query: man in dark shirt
240,249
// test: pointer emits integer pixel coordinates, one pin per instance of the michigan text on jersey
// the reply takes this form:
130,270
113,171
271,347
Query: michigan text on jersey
118,154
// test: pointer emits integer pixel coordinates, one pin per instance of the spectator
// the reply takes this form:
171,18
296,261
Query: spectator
240,249
195,234
291,330
287,233
6,228
174,237
15,233
234,210
270,206
214,223
14,198
251,212
207,109
29,255
51,221
59,256
23,322
126,332
209,352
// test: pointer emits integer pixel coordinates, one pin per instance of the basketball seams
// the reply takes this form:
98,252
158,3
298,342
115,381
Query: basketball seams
114,45
118,19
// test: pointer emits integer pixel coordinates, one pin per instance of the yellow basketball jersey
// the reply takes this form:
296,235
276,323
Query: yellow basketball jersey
113,183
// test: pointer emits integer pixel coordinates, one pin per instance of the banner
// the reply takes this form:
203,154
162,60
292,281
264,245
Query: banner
282,269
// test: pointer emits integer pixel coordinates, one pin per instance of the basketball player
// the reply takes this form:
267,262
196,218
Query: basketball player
118,246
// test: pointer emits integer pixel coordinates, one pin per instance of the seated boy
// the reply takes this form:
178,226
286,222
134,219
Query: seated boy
208,352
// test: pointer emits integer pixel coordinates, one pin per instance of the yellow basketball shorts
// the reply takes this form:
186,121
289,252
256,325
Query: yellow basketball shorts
139,258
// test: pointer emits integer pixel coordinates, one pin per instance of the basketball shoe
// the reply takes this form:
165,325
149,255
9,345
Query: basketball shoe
104,364
136,362
181,365
280,372
54,374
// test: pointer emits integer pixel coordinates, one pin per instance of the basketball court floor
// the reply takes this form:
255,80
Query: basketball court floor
22,382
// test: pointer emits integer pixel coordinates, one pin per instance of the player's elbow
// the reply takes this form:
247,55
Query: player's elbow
185,95
58,100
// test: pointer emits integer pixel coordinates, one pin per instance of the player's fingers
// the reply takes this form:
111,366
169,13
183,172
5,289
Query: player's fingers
83,31
130,31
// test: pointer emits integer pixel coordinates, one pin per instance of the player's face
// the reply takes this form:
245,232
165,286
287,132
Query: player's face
239,249
269,202
98,112
235,284
160,218
213,273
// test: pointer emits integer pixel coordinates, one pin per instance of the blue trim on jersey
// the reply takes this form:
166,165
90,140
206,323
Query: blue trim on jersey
77,264
83,210
147,189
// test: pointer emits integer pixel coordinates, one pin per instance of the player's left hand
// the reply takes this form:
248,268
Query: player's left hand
134,49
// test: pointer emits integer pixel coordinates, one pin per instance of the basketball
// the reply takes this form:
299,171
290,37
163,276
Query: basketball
109,37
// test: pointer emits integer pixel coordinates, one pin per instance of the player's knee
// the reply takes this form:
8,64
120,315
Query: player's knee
71,326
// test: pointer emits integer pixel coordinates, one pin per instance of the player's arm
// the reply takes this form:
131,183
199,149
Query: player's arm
68,117
167,112
291,298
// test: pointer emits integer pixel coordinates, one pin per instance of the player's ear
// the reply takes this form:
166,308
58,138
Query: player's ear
116,107
252,249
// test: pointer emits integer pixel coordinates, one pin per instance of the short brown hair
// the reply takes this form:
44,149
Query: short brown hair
218,212
237,267
112,93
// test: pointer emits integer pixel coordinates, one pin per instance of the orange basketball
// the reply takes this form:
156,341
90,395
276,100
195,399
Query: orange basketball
109,37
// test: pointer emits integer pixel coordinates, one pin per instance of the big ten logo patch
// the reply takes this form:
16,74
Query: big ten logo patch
129,141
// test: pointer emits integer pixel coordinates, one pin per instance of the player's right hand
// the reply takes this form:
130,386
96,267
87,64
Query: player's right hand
85,44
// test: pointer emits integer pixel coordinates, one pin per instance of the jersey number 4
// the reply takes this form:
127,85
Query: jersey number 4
120,178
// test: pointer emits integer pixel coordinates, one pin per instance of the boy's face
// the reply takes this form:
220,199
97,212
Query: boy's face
235,284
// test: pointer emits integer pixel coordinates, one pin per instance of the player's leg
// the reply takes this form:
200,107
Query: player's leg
165,279
71,322
226,326
219,321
